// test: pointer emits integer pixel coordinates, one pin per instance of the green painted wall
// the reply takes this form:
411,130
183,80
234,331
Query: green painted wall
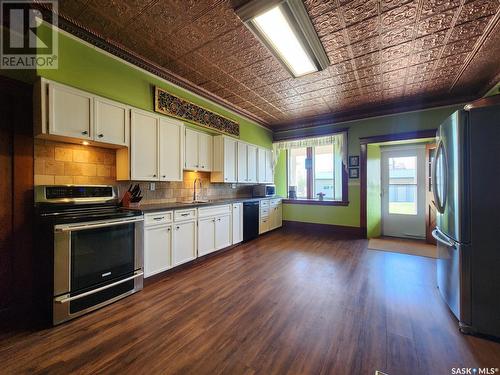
373,189
87,68
349,215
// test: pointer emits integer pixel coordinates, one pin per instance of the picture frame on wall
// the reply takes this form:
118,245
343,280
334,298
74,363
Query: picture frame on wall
354,161
353,172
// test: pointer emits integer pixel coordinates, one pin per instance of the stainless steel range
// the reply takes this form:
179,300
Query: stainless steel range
95,248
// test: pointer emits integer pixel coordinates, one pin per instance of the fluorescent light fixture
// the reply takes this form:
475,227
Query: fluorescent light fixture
285,28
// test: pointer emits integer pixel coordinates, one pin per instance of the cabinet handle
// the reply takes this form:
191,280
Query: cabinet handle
100,135
159,218
85,132
185,214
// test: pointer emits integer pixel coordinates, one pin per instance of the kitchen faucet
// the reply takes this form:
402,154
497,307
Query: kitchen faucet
194,191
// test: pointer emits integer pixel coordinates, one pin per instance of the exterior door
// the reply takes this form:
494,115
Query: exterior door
403,191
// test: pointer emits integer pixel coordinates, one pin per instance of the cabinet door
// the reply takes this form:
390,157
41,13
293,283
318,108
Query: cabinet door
242,162
171,136
184,242
223,232
205,150
252,163
261,165
264,224
237,228
269,167
144,146
230,152
206,235
111,122
279,216
191,150
70,112
273,214
157,249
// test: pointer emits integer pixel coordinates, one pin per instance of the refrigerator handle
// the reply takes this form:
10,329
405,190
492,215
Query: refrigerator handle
437,201
436,233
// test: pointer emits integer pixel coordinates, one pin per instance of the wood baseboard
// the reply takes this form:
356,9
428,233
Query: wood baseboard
323,228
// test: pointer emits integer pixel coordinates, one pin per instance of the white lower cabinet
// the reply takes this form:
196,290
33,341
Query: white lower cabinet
206,235
184,238
157,242
214,229
237,225
270,214
222,232
157,249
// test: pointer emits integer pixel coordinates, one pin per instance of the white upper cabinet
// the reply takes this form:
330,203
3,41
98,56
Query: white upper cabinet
242,162
251,163
111,121
261,165
205,151
191,150
198,151
64,113
144,146
171,151
156,152
224,162
70,112
247,163
269,167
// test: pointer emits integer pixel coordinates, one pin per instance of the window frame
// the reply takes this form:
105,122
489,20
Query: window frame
311,200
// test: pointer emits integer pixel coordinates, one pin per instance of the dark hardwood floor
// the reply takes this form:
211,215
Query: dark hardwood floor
286,303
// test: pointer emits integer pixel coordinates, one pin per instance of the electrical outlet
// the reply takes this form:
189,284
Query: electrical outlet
152,186
233,186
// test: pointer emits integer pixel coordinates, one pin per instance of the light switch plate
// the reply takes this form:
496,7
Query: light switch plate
152,186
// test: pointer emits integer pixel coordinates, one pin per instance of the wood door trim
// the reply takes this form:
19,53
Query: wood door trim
364,142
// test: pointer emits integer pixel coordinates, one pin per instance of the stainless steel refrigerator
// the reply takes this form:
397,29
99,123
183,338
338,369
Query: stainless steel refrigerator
466,187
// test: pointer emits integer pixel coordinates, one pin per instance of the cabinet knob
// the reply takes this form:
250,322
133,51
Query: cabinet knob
177,227
100,135
196,165
168,229
85,132
163,176
202,166
154,175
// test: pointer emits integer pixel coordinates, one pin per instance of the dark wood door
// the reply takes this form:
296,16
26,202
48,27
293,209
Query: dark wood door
16,198
430,217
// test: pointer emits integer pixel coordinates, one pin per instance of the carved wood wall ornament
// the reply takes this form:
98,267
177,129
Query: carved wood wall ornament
171,105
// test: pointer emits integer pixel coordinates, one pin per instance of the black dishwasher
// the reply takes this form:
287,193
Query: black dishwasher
250,220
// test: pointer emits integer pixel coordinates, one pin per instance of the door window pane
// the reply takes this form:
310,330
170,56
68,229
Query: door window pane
403,185
297,173
323,171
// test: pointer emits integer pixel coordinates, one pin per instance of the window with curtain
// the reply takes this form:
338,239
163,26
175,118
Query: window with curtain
317,166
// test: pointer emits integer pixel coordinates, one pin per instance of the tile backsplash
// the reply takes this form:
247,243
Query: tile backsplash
166,192
66,163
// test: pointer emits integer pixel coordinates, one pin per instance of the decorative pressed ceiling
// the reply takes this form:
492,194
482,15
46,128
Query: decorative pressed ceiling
385,55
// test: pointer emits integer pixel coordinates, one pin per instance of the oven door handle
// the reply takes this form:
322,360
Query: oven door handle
101,224
64,299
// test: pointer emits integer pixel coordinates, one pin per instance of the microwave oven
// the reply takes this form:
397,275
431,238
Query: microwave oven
264,191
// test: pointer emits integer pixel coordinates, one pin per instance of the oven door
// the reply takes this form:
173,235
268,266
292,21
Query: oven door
94,264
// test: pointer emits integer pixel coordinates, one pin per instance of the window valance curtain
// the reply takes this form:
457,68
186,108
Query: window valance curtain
338,139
